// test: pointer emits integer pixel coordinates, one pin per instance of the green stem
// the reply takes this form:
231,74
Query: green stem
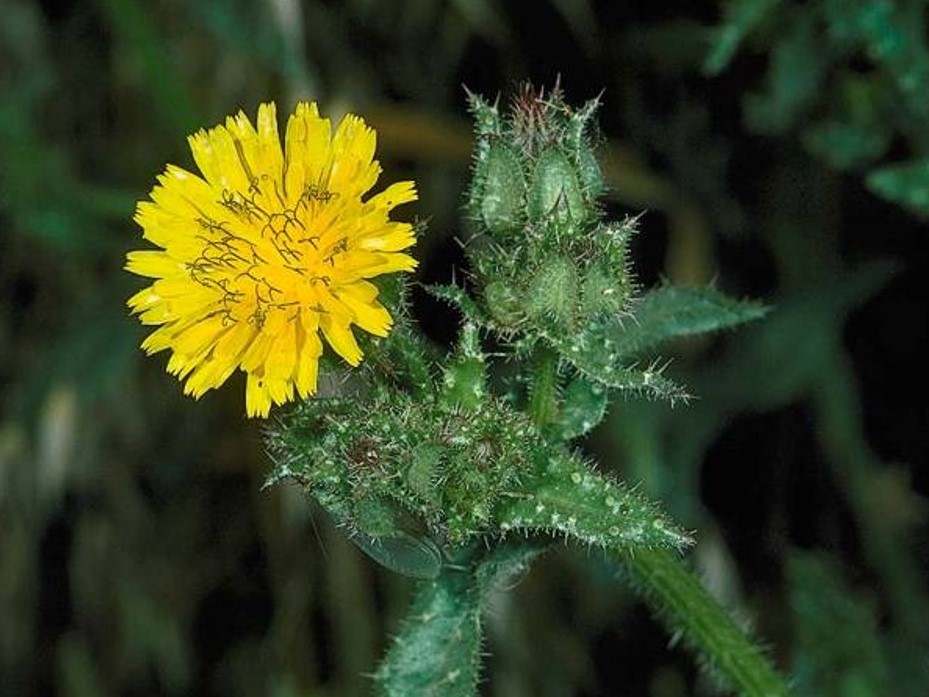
671,589
543,403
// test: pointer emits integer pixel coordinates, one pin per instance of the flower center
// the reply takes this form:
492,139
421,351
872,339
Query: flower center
264,257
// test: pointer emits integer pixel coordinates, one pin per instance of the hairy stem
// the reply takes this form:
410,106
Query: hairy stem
676,594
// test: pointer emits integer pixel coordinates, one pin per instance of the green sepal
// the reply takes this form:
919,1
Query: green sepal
553,292
562,495
579,139
503,303
486,116
458,298
465,379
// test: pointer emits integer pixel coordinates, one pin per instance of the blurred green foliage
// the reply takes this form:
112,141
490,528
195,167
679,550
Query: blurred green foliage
778,147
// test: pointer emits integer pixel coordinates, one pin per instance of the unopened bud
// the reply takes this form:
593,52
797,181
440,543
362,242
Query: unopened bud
603,293
554,292
556,191
503,191
503,303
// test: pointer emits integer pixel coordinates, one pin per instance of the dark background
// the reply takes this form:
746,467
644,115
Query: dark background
138,554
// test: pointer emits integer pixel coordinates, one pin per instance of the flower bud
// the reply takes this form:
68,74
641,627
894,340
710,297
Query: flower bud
503,303
603,293
591,176
556,191
503,191
554,292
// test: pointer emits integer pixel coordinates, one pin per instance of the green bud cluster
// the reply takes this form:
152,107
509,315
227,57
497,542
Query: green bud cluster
542,255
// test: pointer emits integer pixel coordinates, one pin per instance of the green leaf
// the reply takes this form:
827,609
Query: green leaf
894,36
847,146
743,17
133,24
402,553
606,349
484,19
838,639
564,496
437,652
906,184
799,64
583,405
669,312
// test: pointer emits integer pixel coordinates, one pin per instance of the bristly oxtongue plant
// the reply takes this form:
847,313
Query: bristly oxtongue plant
435,465
438,476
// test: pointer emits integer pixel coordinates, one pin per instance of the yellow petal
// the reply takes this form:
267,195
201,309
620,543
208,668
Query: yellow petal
211,373
221,161
281,391
306,143
394,195
308,365
233,344
363,264
340,338
282,358
153,264
393,238
271,158
257,396
352,168
367,313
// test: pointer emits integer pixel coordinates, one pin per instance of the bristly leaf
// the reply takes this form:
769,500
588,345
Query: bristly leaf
437,652
583,405
606,349
592,353
564,496
668,313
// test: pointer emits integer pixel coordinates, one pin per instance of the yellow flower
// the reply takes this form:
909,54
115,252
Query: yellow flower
266,250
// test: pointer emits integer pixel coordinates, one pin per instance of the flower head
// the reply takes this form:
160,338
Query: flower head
266,251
